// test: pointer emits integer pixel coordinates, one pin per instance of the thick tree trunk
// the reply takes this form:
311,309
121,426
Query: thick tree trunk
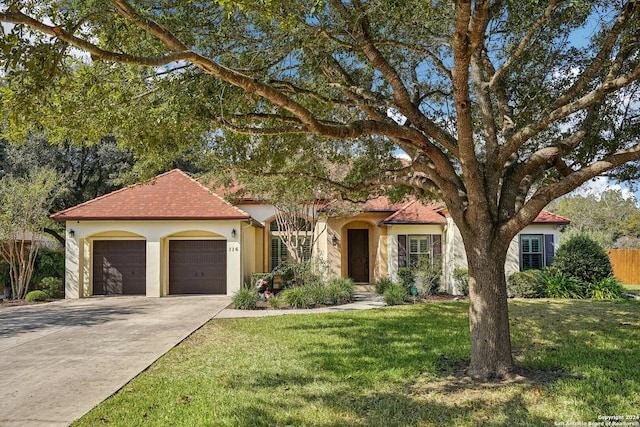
488,310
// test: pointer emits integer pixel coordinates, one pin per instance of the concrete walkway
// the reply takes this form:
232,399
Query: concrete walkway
59,360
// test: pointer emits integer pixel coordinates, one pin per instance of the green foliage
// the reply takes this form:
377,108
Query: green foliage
406,276
301,273
36,296
339,291
425,276
275,301
296,297
382,284
584,259
316,291
525,284
24,211
395,294
461,280
605,217
49,263
89,170
52,286
245,299
603,237
559,285
607,288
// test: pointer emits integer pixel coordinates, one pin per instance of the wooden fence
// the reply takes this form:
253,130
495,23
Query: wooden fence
626,265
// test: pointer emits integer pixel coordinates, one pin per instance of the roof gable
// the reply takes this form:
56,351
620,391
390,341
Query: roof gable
416,212
172,195
546,217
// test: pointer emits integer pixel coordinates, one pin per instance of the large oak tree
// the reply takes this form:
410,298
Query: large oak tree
502,105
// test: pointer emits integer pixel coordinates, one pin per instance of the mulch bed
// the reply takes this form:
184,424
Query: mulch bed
6,303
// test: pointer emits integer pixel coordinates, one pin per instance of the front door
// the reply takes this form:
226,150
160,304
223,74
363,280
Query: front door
358,255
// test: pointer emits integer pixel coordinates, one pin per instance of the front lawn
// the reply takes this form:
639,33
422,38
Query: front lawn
634,289
396,366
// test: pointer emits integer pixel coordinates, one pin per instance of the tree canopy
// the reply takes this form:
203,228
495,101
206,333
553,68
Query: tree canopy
608,215
501,105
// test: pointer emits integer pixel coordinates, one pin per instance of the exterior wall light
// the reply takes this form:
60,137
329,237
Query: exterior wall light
334,240
233,233
72,232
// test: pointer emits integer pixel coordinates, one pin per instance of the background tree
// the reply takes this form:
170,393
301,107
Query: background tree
605,217
502,105
24,212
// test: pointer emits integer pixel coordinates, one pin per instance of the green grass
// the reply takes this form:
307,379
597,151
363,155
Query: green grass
397,366
634,289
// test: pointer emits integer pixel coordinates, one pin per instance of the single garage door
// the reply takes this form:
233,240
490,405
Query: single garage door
119,267
198,267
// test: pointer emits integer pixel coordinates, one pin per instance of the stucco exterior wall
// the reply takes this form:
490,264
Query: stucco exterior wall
456,258
157,234
337,256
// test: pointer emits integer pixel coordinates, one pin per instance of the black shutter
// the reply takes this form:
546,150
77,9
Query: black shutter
549,250
402,250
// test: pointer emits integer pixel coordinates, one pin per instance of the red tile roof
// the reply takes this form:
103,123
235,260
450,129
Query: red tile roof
172,195
416,212
546,217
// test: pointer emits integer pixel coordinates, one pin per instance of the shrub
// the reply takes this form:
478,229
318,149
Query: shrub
427,278
406,277
36,296
301,273
49,263
316,291
340,291
461,280
582,258
559,285
524,284
52,286
245,299
382,285
275,301
297,297
609,288
395,294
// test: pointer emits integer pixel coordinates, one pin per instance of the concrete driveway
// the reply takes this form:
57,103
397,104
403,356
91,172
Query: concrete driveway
59,360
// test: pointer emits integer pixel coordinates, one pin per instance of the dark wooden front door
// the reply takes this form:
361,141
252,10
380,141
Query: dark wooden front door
198,267
119,267
358,255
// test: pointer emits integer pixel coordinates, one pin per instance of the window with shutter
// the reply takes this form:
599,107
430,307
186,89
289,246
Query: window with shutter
531,252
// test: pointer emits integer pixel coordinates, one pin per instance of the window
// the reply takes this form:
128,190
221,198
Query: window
278,251
531,251
413,247
419,247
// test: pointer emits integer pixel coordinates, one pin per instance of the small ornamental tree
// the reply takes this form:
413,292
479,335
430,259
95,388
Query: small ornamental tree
24,211
584,259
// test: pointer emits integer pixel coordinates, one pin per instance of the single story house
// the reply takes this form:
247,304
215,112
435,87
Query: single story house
173,235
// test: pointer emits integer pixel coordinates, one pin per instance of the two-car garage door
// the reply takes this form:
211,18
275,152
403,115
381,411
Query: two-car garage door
195,267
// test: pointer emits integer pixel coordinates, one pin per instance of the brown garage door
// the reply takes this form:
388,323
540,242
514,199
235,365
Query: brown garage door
198,267
119,267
